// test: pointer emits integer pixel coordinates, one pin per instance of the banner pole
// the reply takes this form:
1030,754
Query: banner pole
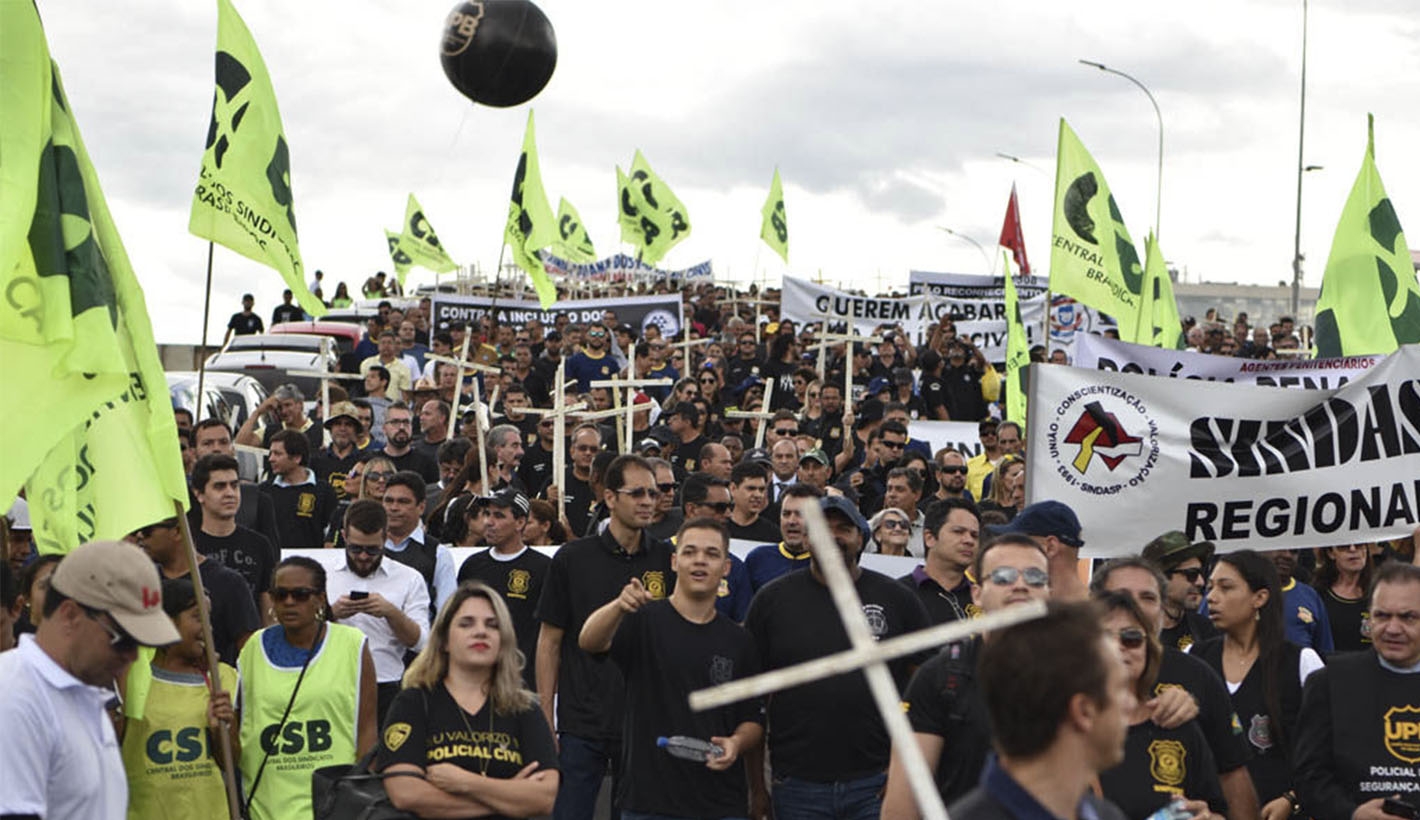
202,350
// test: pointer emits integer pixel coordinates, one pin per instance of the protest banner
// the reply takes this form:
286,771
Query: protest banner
1241,466
1099,353
623,268
958,435
637,311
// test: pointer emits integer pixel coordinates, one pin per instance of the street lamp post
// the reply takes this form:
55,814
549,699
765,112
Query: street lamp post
1301,136
1159,187
990,268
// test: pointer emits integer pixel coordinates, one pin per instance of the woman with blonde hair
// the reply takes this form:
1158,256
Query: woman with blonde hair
1003,495
465,725
365,480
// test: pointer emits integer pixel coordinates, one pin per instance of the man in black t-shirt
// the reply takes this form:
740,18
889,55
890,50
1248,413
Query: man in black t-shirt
1185,566
667,649
514,569
399,438
749,490
245,323
585,574
684,423
286,312
215,486
827,743
577,503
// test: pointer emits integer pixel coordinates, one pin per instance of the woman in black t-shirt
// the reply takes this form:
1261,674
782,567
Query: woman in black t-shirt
1159,764
1343,577
465,723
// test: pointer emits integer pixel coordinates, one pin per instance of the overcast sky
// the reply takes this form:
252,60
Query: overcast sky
884,119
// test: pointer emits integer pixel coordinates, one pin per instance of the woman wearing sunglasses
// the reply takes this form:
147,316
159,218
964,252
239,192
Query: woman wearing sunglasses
308,695
365,480
891,531
1343,577
1263,670
1160,764
465,728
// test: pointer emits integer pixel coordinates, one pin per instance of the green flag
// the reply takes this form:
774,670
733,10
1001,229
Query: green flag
421,244
1370,300
402,262
775,229
664,220
243,199
95,444
1158,324
530,224
575,245
1092,257
1017,353
628,213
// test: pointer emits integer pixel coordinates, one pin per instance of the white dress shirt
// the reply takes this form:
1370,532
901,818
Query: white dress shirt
401,586
446,580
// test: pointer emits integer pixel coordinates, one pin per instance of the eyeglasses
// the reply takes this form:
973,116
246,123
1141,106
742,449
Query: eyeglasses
379,476
718,506
639,493
668,487
952,469
895,524
1005,576
1189,575
364,549
785,431
596,335
118,640
894,445
298,594
708,380
1131,637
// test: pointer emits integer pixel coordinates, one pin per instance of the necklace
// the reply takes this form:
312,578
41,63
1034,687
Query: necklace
472,738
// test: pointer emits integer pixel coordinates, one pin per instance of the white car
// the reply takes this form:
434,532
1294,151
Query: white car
279,358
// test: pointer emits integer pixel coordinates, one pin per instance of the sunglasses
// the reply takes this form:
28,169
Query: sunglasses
360,549
1131,637
379,476
298,594
894,524
718,506
952,469
1189,575
1005,576
118,640
708,380
894,445
596,335
642,492
666,488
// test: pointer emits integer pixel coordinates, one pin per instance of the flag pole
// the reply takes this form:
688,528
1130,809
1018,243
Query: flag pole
214,674
202,350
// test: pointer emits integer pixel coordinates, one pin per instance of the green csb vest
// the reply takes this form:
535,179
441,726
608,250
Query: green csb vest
171,771
320,730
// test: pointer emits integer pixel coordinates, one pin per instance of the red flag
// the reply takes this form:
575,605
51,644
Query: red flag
1011,236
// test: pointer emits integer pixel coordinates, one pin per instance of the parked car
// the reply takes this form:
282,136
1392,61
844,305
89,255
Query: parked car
233,396
345,335
278,358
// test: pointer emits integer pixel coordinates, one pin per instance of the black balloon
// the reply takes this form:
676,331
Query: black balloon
498,52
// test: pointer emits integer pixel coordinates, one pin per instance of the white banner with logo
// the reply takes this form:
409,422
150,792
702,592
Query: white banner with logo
1100,353
1242,466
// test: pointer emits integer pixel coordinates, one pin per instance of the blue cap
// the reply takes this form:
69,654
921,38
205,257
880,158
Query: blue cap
837,503
1045,518
879,384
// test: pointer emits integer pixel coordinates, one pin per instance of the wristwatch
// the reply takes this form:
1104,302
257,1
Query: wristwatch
1296,804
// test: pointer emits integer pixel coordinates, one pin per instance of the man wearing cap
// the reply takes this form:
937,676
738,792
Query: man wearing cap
61,757
245,323
386,600
814,469
749,492
333,463
21,544
511,567
684,423
1057,528
536,464
830,767
962,381
746,362
983,463
1185,565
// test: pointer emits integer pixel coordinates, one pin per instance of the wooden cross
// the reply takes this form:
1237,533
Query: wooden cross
632,385
869,656
753,303
325,377
849,339
559,412
764,414
686,346
465,366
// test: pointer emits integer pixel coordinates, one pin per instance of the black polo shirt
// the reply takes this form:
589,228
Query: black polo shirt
943,605
584,575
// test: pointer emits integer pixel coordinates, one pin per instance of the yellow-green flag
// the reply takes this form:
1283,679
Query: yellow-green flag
243,199
421,244
530,224
402,262
1370,300
1158,324
664,219
1092,257
774,230
575,245
94,443
628,212
1017,352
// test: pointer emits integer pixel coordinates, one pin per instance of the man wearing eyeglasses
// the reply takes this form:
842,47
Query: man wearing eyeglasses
593,362
1185,565
60,755
586,574
944,702
387,601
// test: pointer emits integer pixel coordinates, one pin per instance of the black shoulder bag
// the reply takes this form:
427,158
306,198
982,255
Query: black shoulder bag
348,792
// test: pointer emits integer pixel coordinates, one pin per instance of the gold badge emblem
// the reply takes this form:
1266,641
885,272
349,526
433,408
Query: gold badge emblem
519,581
974,611
1305,615
1184,642
1402,733
655,583
724,589
1166,762
395,735
305,504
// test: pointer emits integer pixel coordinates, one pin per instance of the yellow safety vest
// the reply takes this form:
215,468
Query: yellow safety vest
167,752
319,732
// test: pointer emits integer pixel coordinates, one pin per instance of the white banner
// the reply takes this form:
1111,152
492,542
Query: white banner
958,435
1100,353
1242,466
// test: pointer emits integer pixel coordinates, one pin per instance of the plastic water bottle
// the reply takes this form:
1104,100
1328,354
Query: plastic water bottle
689,748
1174,810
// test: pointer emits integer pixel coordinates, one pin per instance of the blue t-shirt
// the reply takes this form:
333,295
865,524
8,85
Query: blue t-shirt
764,564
